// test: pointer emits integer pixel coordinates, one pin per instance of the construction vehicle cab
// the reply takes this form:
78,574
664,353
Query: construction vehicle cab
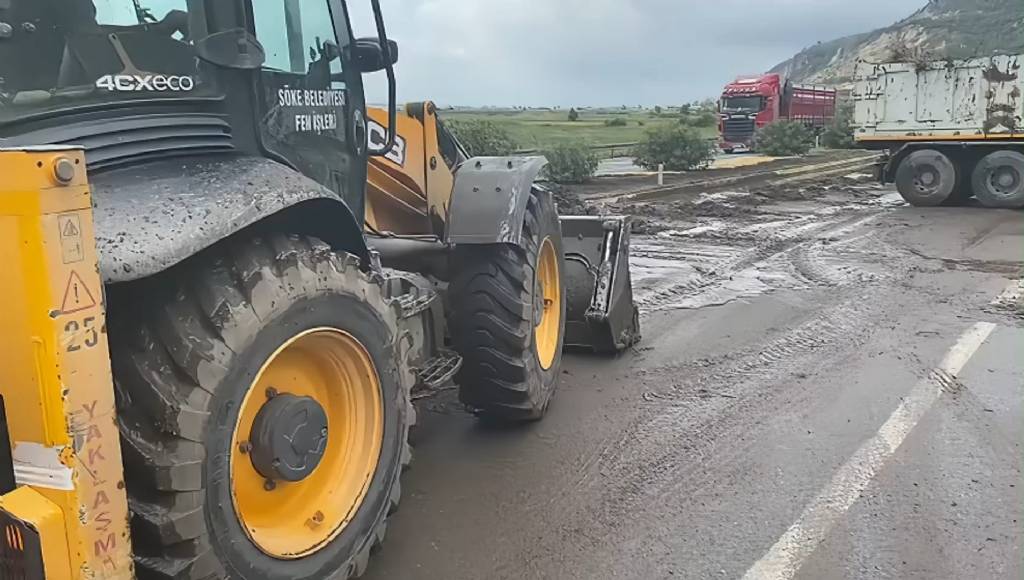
251,421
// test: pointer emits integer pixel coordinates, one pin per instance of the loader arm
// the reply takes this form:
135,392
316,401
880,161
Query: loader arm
428,187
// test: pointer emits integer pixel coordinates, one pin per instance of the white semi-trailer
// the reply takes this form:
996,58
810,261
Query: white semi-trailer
952,129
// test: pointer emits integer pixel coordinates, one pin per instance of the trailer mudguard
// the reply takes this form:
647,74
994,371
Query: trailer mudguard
150,217
489,199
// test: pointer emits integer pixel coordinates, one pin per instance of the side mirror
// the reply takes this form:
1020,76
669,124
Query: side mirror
368,55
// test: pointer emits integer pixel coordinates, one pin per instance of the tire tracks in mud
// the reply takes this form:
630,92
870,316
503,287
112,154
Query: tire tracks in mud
687,423
703,410
726,267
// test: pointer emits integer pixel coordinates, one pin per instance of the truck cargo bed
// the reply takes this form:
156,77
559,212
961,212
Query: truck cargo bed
973,99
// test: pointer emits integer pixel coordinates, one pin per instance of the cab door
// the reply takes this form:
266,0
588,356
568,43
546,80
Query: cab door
311,106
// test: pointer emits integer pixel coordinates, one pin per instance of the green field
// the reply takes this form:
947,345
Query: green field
541,128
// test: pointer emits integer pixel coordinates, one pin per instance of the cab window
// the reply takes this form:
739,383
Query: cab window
293,33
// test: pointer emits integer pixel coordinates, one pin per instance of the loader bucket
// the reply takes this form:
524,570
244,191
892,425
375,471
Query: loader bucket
600,314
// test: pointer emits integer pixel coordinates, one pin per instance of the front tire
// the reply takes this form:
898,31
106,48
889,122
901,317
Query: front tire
193,349
926,178
507,318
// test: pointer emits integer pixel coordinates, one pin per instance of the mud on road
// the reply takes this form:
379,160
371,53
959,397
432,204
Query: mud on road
783,322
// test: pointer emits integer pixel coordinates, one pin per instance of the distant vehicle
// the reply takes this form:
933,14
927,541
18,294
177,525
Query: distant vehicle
749,103
953,129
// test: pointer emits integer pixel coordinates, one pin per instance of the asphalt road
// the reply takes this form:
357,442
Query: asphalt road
825,390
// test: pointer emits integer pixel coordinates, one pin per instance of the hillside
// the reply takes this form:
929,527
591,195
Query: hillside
942,29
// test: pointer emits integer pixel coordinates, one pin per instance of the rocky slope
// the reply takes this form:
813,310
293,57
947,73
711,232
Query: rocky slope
942,29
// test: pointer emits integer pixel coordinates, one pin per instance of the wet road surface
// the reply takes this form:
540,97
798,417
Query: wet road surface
791,412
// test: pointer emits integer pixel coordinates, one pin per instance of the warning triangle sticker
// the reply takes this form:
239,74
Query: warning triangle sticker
77,296
70,230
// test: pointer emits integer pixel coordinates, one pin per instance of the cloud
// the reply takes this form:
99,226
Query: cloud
602,52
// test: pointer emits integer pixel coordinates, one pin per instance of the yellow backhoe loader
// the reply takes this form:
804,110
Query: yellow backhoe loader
213,327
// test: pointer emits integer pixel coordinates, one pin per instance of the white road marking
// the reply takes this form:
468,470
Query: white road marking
1011,295
788,555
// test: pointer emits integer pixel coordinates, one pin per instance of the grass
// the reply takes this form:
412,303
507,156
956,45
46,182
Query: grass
540,128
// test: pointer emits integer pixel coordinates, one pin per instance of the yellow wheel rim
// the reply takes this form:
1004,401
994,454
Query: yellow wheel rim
549,292
290,520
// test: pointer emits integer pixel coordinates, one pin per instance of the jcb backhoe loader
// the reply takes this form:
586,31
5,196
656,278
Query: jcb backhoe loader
250,418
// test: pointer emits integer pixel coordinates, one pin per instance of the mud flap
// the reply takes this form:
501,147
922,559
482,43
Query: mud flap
601,315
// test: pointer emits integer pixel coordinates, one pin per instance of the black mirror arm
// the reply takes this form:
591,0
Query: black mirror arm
392,88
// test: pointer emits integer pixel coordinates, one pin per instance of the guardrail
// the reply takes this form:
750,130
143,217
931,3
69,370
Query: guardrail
612,149
609,150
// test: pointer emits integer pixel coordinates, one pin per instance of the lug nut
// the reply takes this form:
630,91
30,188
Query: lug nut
316,520
245,447
271,392
269,485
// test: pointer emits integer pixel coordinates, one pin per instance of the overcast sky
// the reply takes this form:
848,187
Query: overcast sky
602,52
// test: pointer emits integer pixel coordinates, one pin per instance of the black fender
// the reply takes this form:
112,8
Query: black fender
150,217
489,199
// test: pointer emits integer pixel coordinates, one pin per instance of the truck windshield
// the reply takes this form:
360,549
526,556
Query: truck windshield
752,104
66,53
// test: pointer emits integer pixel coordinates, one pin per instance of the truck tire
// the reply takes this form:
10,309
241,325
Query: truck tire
507,318
926,178
998,180
229,370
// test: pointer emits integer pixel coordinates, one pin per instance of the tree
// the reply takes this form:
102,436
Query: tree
657,109
839,135
678,147
574,115
784,138
570,162
685,109
483,138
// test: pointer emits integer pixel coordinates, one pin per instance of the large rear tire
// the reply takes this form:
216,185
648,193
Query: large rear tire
507,318
998,180
199,355
926,178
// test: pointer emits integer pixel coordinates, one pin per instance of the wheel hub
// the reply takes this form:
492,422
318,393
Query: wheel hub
926,179
294,488
1005,179
288,438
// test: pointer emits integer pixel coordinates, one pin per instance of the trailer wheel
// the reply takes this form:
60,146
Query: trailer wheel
263,412
999,180
507,318
926,178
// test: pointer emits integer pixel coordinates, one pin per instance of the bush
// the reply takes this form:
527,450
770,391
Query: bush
704,119
783,138
574,115
616,122
680,148
839,135
483,138
571,162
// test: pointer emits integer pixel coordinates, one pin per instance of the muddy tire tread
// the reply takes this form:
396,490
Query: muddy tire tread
490,321
168,355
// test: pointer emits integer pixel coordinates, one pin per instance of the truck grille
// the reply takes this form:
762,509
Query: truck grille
738,129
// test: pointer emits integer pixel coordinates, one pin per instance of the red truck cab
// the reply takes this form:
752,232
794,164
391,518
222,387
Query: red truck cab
749,103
